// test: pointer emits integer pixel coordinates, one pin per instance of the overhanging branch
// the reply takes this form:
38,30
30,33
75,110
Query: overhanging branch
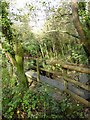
73,35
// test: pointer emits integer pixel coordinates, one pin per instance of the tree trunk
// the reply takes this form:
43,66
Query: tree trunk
21,76
19,58
83,39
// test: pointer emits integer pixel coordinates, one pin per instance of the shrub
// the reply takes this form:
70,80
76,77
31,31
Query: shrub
19,103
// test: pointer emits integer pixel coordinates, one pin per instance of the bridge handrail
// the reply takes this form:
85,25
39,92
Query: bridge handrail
65,67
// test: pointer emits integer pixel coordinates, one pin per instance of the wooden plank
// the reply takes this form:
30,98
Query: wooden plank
86,87
52,72
76,68
70,67
53,82
82,100
65,81
38,73
80,65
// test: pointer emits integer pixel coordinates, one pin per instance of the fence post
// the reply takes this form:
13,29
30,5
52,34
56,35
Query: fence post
38,72
65,82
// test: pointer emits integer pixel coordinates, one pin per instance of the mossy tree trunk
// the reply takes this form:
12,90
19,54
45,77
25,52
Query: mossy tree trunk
19,64
17,61
15,51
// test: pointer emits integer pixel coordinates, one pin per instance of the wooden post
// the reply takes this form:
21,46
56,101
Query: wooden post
65,82
38,72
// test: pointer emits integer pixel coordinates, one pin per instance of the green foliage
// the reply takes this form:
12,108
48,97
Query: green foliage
5,21
85,19
32,48
22,104
82,8
71,110
78,55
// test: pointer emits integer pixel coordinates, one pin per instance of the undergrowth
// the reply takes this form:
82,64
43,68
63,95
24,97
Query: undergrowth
19,103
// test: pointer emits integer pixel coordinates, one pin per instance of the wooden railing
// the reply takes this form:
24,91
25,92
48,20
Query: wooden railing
68,79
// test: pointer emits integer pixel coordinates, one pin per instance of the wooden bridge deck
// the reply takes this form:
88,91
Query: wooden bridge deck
59,84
